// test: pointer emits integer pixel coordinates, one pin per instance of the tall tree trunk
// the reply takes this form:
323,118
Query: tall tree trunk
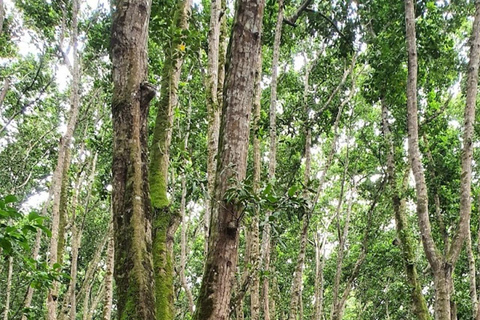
131,197
165,220
442,266
404,234
107,304
184,222
221,261
6,82
61,168
213,104
266,241
9,287
254,232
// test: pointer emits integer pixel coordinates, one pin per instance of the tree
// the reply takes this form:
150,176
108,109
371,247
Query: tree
131,196
442,264
221,261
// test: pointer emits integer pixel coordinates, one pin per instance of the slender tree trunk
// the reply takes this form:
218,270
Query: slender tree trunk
184,223
130,196
221,261
296,291
60,169
2,18
404,234
6,82
9,287
165,220
254,233
107,304
472,275
442,266
266,241
213,106
319,263
99,295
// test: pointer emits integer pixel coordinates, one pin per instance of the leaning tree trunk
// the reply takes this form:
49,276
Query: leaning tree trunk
221,261
131,196
165,221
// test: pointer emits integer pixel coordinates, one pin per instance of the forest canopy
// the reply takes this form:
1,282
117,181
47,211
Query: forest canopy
247,159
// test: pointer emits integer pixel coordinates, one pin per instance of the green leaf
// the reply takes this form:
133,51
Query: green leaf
10,199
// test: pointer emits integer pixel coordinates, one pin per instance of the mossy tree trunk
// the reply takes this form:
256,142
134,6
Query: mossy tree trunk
215,292
130,196
165,221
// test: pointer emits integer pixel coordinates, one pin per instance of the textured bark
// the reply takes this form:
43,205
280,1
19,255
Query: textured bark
442,265
63,214
9,287
165,220
107,304
472,275
213,106
404,234
130,195
221,261
272,161
61,168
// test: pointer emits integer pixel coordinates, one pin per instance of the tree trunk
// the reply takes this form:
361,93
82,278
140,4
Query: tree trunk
472,274
9,287
254,232
442,266
266,241
131,197
2,18
221,261
404,234
165,220
107,304
319,263
213,106
61,168
6,82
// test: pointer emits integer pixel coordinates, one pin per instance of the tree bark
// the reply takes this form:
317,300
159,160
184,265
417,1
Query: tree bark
9,286
2,18
52,295
131,197
404,234
213,106
221,261
266,241
442,266
165,220
254,232
107,304
319,263
472,275
6,82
